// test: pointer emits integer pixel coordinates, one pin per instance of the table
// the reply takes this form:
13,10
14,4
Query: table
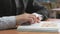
16,32
52,19
53,13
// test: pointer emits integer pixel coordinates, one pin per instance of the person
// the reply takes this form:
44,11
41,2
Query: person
31,6
13,21
16,9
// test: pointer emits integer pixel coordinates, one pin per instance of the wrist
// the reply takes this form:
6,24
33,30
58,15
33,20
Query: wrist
18,19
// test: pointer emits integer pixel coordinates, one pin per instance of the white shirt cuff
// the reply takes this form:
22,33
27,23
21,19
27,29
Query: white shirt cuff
7,22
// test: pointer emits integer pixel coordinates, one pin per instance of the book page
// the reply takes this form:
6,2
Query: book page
44,26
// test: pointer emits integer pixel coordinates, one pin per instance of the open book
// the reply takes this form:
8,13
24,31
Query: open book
43,26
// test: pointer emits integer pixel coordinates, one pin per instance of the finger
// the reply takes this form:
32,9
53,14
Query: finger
31,20
38,19
33,17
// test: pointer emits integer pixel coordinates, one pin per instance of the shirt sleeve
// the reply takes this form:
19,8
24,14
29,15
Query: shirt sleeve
7,22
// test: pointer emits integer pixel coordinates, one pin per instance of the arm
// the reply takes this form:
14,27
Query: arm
7,22
41,9
35,7
13,21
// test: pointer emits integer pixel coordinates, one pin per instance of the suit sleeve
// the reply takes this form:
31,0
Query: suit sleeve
34,7
7,22
41,10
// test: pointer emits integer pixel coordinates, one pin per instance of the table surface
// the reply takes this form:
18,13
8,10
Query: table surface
14,31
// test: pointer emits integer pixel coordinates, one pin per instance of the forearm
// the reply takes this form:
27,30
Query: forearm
18,20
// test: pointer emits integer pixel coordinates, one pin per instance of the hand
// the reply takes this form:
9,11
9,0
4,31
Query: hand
24,18
39,17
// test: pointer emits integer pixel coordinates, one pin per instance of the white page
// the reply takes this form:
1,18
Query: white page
38,27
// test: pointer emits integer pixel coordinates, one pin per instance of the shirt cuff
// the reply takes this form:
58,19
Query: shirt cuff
9,22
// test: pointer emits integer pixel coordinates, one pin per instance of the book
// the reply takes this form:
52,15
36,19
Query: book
43,26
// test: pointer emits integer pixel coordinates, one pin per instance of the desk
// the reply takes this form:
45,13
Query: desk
52,19
16,32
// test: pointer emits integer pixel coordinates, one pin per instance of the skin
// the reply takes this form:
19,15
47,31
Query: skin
23,18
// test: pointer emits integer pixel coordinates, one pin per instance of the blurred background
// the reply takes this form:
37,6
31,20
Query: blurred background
53,6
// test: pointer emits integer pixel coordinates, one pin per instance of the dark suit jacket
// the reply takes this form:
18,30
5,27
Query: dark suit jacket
31,7
15,7
7,8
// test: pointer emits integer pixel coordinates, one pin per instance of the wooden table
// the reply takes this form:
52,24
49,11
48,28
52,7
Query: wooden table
16,32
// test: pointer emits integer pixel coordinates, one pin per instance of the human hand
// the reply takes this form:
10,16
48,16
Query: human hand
24,18
39,17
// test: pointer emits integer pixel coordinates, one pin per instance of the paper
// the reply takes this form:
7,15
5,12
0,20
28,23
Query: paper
43,26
